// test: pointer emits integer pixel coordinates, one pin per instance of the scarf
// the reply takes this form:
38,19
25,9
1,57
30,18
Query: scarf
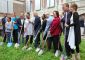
71,35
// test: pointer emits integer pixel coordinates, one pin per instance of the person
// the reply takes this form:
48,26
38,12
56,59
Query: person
55,31
28,32
4,19
82,25
8,30
74,37
37,25
66,19
15,30
21,22
46,34
42,31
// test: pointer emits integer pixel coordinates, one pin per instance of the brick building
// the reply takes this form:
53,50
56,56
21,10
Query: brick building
50,5
16,6
41,6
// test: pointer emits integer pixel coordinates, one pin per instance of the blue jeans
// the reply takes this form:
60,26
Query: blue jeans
8,34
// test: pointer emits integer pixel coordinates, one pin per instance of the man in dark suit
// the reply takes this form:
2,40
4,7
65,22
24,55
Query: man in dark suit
20,22
37,25
66,20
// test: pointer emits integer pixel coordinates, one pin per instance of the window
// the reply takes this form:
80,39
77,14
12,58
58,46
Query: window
52,3
48,3
68,0
37,4
3,6
28,5
10,6
6,6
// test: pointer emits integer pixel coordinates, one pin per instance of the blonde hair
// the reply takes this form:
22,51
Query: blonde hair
74,6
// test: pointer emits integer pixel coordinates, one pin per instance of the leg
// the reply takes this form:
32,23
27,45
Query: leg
31,39
43,41
26,43
78,52
77,48
22,38
37,41
67,47
60,47
4,33
4,40
49,42
16,36
7,37
27,37
56,43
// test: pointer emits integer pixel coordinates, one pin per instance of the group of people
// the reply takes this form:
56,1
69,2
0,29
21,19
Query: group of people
47,32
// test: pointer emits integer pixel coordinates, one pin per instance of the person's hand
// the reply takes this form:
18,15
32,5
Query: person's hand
25,30
66,25
20,26
30,22
15,22
12,28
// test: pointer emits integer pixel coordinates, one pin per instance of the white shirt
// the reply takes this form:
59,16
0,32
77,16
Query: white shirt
71,36
22,21
8,26
29,27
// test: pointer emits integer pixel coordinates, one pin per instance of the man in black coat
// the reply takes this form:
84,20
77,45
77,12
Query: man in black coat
20,22
66,20
37,25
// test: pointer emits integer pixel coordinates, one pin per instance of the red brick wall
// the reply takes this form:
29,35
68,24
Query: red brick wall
17,8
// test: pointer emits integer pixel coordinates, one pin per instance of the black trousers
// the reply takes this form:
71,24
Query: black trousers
27,38
15,35
56,43
67,47
37,41
77,49
4,38
45,36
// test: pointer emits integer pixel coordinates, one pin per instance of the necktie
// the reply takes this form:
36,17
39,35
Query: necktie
66,17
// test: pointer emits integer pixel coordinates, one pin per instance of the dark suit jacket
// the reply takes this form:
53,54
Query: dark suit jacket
20,24
3,23
82,23
76,25
68,22
37,24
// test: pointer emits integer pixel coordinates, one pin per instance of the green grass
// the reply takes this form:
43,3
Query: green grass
17,54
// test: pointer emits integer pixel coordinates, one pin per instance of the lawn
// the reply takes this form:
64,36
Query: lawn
17,54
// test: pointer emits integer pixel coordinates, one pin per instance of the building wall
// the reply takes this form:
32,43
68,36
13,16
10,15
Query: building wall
17,8
58,6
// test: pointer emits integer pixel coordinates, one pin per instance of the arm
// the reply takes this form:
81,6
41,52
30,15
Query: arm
44,25
37,23
54,25
75,19
19,23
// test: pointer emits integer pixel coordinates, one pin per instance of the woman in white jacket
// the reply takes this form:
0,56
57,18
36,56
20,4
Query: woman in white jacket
28,31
